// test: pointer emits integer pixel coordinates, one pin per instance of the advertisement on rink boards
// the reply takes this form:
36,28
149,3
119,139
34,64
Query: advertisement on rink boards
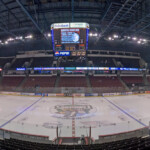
52,94
73,94
60,94
9,93
117,94
27,94
91,94
41,94
78,95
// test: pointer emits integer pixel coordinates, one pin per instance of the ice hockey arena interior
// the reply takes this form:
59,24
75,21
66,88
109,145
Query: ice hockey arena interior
74,74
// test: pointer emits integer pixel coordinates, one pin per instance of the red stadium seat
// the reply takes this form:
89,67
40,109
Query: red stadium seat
40,81
72,82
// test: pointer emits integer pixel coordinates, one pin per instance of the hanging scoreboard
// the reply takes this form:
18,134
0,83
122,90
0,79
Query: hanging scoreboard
70,39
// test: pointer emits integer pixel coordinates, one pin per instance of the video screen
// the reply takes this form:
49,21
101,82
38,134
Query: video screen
70,36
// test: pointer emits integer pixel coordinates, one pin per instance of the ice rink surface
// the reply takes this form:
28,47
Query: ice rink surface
105,115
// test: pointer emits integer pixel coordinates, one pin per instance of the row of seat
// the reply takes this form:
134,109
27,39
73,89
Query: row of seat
44,81
127,144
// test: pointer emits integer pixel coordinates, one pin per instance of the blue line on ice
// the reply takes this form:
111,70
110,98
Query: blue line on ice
126,112
4,124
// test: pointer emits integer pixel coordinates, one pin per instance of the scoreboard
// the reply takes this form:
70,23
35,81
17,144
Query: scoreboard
70,39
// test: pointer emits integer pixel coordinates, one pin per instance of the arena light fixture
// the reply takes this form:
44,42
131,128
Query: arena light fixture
96,34
90,34
6,42
115,36
29,36
139,42
144,40
19,38
134,38
109,38
49,35
128,37
10,39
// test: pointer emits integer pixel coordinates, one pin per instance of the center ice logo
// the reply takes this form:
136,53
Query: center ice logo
73,111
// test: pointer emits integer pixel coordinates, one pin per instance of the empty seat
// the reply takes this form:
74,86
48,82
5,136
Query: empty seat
40,81
72,82
12,81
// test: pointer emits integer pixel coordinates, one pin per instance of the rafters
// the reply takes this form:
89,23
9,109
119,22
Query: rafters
106,15
29,16
9,10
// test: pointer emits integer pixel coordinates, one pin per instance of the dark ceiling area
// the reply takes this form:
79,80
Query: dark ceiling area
106,17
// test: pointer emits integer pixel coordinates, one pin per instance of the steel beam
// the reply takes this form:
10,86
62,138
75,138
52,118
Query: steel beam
106,12
29,16
115,17
8,32
36,16
143,28
127,11
142,19
9,10
72,4
2,22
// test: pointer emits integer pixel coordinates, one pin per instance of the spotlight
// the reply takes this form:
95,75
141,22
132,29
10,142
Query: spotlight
6,42
48,34
29,36
144,40
115,36
10,39
109,38
134,38
90,34
128,37
139,42
19,38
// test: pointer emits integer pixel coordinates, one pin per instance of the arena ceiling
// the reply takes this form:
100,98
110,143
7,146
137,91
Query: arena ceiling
126,17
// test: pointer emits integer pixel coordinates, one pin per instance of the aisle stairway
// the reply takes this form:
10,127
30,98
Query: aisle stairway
123,83
88,84
56,84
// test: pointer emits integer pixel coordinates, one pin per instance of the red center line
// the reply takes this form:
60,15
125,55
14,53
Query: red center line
73,120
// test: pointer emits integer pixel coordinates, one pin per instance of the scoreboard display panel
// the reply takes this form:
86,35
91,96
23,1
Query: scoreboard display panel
70,39
70,36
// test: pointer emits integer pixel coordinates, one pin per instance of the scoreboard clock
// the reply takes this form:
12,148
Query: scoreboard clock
70,37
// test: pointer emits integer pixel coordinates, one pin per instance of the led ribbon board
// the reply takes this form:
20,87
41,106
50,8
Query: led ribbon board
80,68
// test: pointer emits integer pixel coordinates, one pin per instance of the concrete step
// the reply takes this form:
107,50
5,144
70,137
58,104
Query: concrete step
145,80
22,83
88,84
123,83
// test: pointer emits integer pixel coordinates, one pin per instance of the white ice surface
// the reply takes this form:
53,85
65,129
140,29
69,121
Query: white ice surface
104,118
